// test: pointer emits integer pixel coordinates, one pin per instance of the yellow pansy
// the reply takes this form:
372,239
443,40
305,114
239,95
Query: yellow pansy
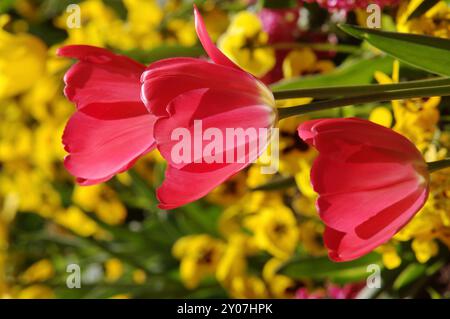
304,61
382,116
143,15
181,31
311,237
199,257
248,287
390,257
76,220
216,21
22,61
39,271
245,43
424,249
232,264
102,200
280,286
275,230
414,118
96,20
434,22
36,292
139,277
228,192
113,270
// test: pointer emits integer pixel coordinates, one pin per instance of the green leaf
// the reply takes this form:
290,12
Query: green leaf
424,52
409,275
422,8
353,72
5,5
323,268
163,52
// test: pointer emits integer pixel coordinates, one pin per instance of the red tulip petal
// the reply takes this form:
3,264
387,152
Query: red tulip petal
370,180
104,79
342,211
181,187
100,148
374,232
214,53
166,79
219,110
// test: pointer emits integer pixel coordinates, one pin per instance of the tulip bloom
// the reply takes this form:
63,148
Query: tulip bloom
124,112
371,181
111,127
220,95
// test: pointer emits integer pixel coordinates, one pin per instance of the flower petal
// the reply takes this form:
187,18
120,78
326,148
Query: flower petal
101,148
218,110
370,180
166,79
214,53
181,187
104,79
221,113
374,232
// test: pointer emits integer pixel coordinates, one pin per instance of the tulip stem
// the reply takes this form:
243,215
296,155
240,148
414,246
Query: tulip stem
360,99
435,166
336,91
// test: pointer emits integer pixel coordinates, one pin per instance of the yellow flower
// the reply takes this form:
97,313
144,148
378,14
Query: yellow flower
414,118
77,221
36,292
434,22
113,270
102,200
424,249
216,21
181,32
382,116
275,230
248,287
390,257
311,234
199,256
143,15
302,178
245,43
22,61
96,22
232,264
228,192
41,270
280,286
139,277
304,61
295,155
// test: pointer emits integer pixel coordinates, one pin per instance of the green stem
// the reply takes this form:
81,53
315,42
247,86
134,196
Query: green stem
435,166
377,97
328,92
324,47
276,184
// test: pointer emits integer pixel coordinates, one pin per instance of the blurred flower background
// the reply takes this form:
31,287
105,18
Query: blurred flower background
255,236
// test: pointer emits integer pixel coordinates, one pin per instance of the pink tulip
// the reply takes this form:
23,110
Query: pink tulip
111,127
185,91
371,181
